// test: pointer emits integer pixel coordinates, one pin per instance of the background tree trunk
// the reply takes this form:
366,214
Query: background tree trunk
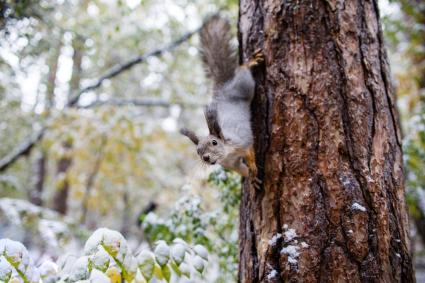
36,194
332,205
60,199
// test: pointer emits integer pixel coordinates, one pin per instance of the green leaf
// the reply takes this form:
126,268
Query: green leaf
166,272
176,269
146,262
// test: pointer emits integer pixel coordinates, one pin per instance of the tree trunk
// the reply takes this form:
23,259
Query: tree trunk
331,208
36,194
99,156
60,199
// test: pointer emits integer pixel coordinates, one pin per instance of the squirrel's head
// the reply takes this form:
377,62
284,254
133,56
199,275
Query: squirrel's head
211,149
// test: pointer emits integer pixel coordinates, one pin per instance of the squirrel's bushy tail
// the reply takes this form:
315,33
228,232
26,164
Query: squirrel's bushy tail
217,51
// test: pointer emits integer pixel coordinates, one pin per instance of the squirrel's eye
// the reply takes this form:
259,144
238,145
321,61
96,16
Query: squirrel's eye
214,142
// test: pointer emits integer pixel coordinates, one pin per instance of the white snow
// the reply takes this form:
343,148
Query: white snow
304,245
222,176
48,268
201,251
80,269
113,242
272,274
15,209
17,256
274,239
152,219
98,277
49,230
100,259
130,263
162,253
146,262
180,241
5,269
198,264
292,252
357,206
289,235
178,252
185,269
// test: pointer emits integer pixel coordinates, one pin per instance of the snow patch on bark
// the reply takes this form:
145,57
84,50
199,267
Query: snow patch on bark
274,239
357,206
272,274
292,253
289,235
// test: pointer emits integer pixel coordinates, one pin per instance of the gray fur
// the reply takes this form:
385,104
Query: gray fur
228,116
234,108
190,134
217,51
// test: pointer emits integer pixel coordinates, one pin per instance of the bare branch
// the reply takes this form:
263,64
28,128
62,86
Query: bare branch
26,146
23,149
141,102
118,69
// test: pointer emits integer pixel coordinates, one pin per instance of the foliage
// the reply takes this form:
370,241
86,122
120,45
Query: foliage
108,258
141,138
414,150
215,230
405,33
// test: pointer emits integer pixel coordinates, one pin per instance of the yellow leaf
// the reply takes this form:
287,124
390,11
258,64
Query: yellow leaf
114,274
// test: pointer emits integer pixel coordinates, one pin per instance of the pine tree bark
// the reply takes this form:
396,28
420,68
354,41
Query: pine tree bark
331,207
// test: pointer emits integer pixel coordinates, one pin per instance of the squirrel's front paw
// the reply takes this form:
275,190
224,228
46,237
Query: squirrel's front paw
255,182
257,58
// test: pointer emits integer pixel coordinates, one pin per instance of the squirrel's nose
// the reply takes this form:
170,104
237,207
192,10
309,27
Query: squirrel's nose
206,157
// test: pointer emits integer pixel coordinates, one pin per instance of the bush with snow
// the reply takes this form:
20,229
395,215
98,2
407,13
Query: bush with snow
107,258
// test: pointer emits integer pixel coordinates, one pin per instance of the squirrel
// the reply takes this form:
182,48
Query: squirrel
228,116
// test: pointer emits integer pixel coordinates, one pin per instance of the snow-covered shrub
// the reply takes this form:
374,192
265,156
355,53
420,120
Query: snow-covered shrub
216,230
15,262
46,229
107,258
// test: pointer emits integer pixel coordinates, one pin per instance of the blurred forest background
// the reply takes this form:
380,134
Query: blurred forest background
93,93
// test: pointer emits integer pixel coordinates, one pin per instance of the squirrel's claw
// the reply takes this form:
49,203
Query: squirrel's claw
250,159
257,58
256,183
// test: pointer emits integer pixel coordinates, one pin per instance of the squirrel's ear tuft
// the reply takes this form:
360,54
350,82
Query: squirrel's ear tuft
190,134
211,116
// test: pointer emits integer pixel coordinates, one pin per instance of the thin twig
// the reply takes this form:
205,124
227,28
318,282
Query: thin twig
141,102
